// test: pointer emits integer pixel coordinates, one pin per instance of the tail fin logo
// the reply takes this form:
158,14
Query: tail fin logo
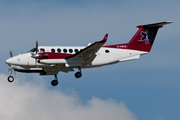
147,37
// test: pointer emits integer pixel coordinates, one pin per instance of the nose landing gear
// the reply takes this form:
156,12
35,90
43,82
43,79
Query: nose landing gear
10,78
55,81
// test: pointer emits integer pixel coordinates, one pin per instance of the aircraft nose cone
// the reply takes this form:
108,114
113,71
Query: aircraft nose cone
9,61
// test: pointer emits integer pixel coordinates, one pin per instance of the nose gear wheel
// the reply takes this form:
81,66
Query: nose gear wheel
10,78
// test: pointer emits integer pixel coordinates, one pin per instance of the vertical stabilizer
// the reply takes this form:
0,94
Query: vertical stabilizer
145,36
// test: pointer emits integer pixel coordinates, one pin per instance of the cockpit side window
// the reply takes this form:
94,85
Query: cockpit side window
42,50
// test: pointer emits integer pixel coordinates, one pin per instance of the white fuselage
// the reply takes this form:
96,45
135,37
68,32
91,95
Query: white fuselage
25,63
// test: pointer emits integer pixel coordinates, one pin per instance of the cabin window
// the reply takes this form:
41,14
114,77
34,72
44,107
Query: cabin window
107,51
59,50
70,50
65,50
53,50
76,50
42,50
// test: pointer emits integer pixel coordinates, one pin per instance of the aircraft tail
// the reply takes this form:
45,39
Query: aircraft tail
145,36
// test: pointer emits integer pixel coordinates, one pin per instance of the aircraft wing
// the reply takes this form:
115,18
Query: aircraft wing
87,54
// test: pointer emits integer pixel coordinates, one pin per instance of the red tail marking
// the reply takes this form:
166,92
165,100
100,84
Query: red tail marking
143,39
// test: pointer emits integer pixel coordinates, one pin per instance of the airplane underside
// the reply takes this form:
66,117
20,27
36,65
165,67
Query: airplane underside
53,70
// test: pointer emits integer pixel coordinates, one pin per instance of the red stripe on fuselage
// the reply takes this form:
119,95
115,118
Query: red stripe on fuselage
53,55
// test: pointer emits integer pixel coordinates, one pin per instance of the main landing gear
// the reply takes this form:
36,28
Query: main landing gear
55,81
78,74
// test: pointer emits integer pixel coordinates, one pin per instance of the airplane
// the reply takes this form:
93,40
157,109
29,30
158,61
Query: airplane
49,60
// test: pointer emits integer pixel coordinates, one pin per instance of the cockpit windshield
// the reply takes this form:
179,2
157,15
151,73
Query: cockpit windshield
32,50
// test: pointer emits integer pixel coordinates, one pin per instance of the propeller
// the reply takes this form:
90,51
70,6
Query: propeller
35,56
11,53
36,47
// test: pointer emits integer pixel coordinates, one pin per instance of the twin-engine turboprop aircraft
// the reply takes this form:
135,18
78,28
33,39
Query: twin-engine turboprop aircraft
49,60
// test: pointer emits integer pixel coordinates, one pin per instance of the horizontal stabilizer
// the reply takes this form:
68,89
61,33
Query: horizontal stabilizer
156,24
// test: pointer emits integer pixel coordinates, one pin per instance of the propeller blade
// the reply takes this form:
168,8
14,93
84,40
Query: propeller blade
11,53
36,47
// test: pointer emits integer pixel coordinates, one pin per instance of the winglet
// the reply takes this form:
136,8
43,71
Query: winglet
104,39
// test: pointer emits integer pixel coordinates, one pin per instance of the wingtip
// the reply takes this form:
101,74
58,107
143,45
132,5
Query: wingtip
105,37
169,22
103,40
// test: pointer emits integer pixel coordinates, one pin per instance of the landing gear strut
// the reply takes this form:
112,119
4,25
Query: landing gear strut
55,81
78,74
